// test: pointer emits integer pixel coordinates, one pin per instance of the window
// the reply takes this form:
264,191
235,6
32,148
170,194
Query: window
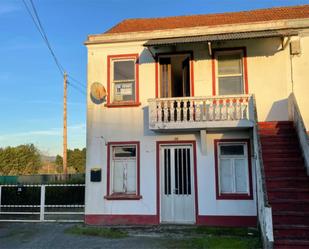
233,169
231,72
123,170
122,80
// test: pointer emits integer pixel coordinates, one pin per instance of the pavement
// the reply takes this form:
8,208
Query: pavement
53,236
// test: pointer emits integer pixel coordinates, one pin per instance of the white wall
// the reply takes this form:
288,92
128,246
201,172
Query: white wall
269,78
300,67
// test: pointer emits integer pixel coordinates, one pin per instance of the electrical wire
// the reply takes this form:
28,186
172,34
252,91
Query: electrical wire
37,22
77,81
76,88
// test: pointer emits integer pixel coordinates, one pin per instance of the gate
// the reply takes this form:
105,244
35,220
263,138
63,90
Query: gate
42,203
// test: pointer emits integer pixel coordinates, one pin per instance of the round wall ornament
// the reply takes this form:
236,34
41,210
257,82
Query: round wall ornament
97,92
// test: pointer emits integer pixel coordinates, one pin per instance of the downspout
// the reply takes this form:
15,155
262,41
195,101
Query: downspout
292,70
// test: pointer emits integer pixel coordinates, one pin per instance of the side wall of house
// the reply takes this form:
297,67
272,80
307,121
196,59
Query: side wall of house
300,71
268,78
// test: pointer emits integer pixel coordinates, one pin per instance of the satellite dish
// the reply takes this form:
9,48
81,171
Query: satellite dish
97,92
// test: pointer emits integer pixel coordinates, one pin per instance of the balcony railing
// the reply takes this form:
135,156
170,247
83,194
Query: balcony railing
200,112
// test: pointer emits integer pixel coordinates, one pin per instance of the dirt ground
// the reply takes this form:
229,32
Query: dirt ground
53,236
61,236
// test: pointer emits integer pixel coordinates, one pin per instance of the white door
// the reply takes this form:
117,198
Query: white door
177,184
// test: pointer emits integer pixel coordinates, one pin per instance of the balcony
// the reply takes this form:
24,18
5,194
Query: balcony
196,113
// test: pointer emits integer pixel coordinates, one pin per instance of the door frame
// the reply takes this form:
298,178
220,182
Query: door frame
191,69
171,142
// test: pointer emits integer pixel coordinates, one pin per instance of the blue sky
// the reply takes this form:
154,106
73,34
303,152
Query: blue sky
31,86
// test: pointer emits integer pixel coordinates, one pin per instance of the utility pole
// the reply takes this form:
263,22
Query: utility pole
65,145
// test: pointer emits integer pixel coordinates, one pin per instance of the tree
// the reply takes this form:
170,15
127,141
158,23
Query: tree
22,159
76,160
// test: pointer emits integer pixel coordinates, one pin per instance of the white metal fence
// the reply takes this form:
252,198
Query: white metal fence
42,209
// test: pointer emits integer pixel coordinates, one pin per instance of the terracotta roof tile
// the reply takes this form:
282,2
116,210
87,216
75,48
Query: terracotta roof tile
150,24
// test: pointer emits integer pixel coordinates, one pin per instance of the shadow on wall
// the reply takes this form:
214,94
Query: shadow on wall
278,111
262,48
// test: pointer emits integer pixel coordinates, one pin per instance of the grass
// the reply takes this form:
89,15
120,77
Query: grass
111,233
195,238
237,231
216,242
219,238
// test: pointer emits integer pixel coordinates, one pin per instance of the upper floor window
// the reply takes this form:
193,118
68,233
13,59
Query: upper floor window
122,80
230,72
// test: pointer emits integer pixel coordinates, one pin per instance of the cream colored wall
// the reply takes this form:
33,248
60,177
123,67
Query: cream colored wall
269,79
300,64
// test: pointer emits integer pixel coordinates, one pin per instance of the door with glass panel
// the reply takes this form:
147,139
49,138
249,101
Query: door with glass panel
177,184
230,72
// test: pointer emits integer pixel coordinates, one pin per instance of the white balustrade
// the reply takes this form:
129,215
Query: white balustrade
190,110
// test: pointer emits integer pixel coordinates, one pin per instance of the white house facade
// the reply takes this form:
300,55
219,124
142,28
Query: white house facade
176,139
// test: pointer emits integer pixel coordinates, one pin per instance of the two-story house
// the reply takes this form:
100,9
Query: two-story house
198,122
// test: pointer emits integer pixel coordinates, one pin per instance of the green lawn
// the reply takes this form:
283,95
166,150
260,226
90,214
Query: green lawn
111,233
187,238
219,238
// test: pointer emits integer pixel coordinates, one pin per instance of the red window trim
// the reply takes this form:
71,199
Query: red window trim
233,196
122,196
245,66
190,52
170,142
123,103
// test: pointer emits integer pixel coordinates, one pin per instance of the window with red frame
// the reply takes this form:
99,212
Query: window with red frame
230,72
123,80
123,169
233,168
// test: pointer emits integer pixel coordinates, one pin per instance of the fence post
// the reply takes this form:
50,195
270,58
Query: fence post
0,197
42,203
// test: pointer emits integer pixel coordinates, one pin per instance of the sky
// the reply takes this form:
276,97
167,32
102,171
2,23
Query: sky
31,87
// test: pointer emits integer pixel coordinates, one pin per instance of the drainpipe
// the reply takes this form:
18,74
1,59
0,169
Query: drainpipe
292,71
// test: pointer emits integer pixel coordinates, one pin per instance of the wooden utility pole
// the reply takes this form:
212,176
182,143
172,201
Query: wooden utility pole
65,145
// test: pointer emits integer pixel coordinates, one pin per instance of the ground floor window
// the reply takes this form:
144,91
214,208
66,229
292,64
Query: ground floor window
123,169
233,170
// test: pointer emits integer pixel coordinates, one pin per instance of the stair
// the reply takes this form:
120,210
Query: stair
287,184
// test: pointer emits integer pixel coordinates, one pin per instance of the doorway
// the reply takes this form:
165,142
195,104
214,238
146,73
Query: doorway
177,184
174,74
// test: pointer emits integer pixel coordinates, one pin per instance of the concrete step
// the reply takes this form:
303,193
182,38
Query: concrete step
291,218
291,231
289,205
288,193
291,243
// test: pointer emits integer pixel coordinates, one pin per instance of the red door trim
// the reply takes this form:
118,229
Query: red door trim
191,70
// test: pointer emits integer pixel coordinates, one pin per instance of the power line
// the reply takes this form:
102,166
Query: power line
77,81
76,88
36,20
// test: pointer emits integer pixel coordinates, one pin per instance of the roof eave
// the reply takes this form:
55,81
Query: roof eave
197,31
